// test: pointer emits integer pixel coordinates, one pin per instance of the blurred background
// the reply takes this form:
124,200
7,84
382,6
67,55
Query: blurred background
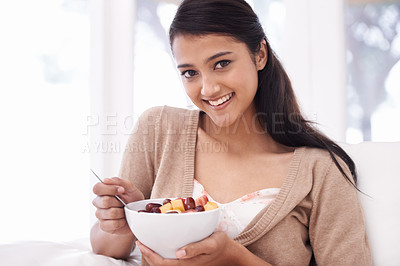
76,74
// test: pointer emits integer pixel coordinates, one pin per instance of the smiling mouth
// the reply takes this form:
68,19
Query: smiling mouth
221,100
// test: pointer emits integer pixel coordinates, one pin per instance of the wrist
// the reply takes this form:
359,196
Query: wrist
238,254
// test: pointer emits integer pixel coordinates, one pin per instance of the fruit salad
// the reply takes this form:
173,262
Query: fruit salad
181,205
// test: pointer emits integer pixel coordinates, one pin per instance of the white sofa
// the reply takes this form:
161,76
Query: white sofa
46,253
378,167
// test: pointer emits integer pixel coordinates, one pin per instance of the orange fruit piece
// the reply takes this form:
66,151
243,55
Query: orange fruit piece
178,205
210,206
166,207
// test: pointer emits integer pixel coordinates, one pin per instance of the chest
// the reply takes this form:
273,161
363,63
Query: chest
226,176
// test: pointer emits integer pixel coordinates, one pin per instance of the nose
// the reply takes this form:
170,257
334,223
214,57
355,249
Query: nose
210,86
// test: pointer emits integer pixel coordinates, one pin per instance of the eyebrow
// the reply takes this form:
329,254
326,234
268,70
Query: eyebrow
208,59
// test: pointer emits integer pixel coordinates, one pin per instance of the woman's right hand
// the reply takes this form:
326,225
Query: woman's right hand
110,211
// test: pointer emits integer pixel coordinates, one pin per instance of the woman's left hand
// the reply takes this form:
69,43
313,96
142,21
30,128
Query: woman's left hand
217,249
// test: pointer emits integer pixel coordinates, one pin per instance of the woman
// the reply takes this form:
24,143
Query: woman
300,184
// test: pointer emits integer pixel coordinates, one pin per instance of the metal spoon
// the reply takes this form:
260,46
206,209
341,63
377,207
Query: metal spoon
118,198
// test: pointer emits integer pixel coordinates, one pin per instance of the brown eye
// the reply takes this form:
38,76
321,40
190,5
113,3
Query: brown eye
189,73
222,64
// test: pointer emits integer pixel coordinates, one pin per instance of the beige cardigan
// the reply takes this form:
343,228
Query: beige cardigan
316,217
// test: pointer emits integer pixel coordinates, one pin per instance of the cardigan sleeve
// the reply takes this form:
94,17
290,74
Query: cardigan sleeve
138,162
337,229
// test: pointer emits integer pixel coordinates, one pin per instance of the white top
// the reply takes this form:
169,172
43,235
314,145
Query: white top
237,214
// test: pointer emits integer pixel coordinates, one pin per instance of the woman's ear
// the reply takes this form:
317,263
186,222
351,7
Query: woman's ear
262,55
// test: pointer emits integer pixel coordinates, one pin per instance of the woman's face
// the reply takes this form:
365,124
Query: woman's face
219,75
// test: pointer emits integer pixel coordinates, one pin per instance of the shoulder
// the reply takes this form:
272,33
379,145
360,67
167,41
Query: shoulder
313,159
165,122
168,110
168,115
319,159
318,166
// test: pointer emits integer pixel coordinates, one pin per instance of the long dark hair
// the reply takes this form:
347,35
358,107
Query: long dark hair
275,101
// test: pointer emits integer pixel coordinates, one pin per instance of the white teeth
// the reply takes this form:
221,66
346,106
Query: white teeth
221,100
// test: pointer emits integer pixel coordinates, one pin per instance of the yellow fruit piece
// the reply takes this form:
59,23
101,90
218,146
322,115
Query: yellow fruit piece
178,205
210,206
166,207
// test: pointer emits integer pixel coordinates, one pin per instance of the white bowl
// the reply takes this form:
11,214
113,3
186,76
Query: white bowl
166,233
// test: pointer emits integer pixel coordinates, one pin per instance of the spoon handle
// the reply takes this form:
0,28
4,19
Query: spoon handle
118,198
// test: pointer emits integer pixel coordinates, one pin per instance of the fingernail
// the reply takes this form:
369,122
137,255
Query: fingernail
120,190
181,253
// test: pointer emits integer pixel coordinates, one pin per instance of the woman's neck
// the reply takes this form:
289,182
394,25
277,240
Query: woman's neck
246,134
